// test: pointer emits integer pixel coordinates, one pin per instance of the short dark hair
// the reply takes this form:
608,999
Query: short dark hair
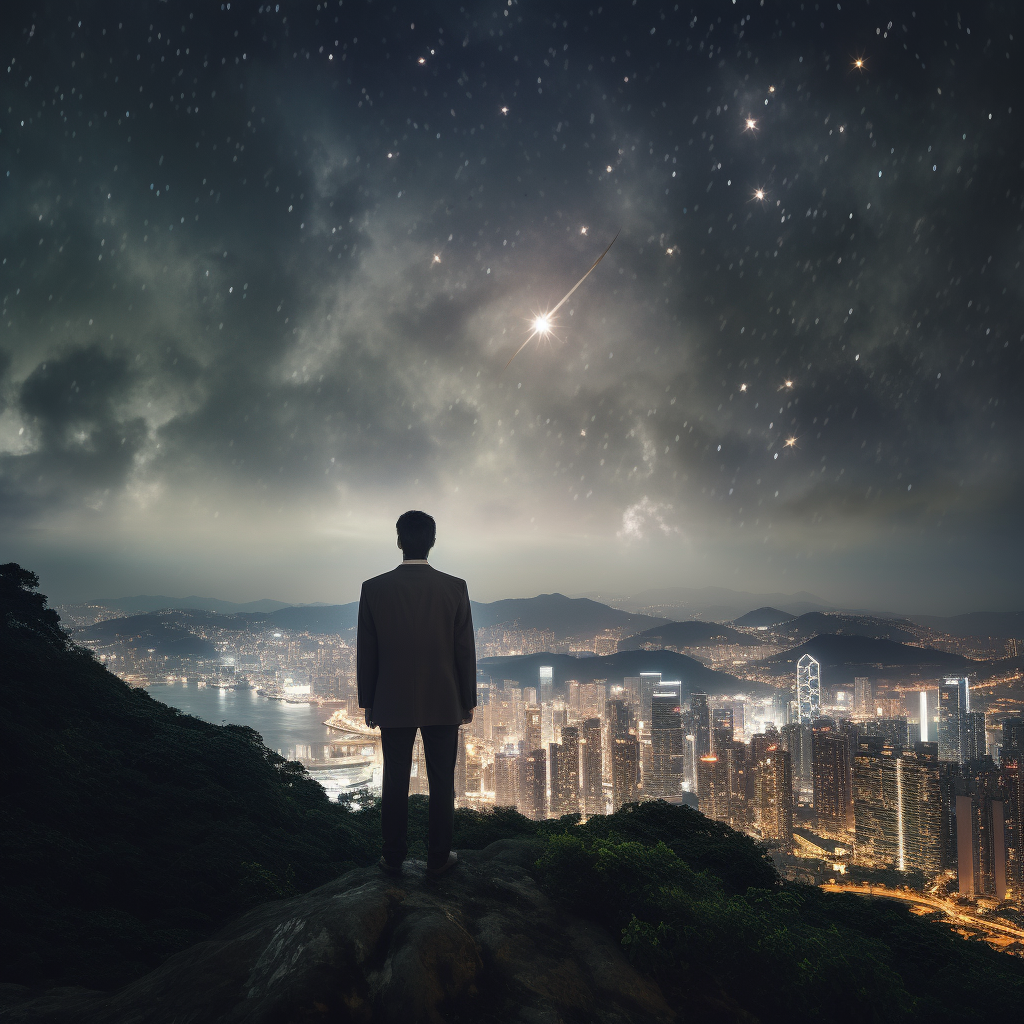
416,533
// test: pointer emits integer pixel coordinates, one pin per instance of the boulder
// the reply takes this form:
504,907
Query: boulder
479,943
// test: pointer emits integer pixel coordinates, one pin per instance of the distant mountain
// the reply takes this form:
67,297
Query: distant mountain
163,632
327,618
689,634
565,616
764,617
843,657
714,604
1003,625
158,603
803,627
614,667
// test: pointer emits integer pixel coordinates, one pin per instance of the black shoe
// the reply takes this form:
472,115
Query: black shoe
389,869
453,859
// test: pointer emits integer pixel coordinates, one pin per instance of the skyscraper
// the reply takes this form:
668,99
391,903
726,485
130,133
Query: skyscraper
897,806
565,773
954,705
506,780
1013,737
531,729
712,788
533,785
977,744
773,796
625,770
649,682
700,715
666,741
808,688
797,739
862,697
981,833
546,690
590,765
833,783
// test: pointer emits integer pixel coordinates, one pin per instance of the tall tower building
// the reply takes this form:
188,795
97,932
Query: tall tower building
977,743
833,783
625,770
546,689
460,767
797,739
897,806
700,715
981,834
1013,737
532,733
649,682
666,742
533,785
862,697
565,773
506,780
773,796
713,788
954,705
808,688
590,767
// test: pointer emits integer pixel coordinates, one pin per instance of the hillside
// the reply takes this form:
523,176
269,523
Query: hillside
690,634
163,632
766,616
565,616
844,657
695,676
1004,625
714,604
803,627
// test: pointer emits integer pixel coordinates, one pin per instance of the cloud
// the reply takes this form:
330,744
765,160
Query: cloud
643,517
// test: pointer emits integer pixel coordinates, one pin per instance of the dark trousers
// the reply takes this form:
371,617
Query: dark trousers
441,747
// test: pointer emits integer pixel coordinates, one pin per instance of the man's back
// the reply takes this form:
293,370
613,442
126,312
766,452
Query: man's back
416,663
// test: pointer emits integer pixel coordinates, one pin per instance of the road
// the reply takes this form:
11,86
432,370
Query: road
956,914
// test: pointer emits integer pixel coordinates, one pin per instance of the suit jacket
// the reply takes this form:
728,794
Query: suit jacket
415,649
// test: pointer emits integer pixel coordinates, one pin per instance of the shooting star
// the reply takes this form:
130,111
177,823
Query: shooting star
542,324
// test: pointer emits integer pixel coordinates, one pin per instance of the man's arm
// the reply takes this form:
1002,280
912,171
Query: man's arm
366,654
465,654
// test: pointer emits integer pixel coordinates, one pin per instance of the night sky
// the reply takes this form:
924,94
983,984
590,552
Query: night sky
263,266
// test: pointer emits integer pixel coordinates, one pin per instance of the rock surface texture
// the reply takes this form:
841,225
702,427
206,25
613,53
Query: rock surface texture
480,943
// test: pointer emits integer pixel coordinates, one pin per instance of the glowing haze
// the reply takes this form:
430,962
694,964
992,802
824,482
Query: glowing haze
263,266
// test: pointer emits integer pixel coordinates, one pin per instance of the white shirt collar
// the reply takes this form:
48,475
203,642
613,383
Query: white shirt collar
415,561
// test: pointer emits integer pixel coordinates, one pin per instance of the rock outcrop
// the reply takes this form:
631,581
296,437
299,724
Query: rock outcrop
481,943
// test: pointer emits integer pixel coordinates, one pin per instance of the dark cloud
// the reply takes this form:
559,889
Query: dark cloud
221,291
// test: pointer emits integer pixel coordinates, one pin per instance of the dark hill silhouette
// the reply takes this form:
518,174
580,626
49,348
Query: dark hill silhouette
690,634
808,625
844,657
525,669
1003,625
566,616
763,617
160,603
164,632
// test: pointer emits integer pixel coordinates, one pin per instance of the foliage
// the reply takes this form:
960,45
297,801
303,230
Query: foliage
779,951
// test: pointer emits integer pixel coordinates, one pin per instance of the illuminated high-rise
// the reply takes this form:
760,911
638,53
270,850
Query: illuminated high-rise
700,715
546,690
590,767
897,806
625,753
808,688
531,729
666,741
862,697
533,785
773,797
797,739
954,706
564,758
833,782
713,788
977,742
506,780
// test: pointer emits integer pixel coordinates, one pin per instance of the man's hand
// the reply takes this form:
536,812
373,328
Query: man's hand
467,716
370,724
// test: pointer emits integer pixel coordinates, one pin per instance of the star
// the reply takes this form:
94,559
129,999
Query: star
790,442
504,110
751,125
743,387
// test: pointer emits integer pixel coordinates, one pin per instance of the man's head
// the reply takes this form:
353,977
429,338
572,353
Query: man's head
416,534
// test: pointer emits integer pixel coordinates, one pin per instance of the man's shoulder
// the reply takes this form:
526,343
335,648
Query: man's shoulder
377,581
452,581
395,576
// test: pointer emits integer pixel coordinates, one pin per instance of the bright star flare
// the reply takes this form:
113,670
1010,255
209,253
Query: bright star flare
543,323
790,442
751,125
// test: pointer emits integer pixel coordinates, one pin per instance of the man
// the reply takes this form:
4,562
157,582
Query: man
416,669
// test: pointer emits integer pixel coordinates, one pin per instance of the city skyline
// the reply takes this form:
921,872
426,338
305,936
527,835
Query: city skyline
263,266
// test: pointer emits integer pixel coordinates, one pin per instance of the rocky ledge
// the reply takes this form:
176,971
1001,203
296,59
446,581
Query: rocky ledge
480,943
